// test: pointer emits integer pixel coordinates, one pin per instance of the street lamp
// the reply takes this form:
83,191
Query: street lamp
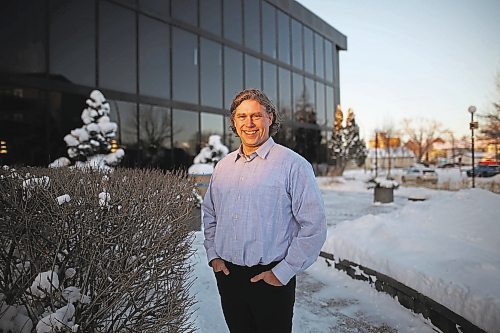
472,126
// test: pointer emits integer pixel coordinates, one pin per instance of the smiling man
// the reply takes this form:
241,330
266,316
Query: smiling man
263,220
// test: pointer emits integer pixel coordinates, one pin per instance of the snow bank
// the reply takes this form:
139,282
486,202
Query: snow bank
447,248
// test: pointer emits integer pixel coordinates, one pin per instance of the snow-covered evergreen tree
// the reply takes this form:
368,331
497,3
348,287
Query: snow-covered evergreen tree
355,147
346,144
91,144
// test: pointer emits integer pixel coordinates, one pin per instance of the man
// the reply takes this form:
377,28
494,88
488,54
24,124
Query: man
263,220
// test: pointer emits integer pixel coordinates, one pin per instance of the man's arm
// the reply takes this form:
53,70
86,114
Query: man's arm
209,223
308,210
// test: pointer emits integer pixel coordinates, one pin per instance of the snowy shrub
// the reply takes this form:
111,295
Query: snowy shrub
85,251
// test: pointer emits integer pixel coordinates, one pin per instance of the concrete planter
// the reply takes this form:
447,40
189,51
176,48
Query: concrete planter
383,195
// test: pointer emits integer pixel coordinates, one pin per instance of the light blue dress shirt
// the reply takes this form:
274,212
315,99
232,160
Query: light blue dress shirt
263,209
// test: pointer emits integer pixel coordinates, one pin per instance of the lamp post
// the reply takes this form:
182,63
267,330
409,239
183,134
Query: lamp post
472,126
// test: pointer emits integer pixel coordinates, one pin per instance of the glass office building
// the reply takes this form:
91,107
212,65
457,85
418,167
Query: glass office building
169,69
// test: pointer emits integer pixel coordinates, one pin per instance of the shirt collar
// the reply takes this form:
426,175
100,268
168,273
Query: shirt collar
262,151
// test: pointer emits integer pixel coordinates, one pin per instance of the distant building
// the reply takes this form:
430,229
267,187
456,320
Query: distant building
386,152
170,69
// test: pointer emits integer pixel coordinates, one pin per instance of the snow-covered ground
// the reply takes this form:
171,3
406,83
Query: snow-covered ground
447,247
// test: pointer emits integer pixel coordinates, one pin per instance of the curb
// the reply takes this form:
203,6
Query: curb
439,315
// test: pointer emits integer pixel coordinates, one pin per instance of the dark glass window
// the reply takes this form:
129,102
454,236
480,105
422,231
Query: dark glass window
231,140
270,82
252,72
330,106
210,16
308,51
283,37
269,29
185,132
22,36
233,74
251,21
232,20
285,93
211,124
157,8
297,49
320,56
328,61
72,41
124,114
117,50
184,66
298,90
154,58
186,11
320,103
155,133
309,93
211,73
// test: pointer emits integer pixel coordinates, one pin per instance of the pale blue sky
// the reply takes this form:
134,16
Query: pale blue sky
415,58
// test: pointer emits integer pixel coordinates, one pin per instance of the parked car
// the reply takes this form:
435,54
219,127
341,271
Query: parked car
485,170
420,174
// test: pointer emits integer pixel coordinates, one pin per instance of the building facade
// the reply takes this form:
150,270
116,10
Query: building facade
169,69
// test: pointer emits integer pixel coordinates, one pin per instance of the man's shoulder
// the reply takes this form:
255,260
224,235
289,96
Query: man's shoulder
231,157
289,155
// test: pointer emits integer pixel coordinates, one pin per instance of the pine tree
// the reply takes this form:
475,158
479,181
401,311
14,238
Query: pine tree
91,143
346,144
355,147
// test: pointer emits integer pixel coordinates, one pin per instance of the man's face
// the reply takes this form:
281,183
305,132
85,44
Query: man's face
252,124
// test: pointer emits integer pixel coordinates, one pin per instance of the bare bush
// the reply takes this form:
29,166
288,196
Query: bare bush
111,247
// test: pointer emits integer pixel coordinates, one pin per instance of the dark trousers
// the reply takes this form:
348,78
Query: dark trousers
255,306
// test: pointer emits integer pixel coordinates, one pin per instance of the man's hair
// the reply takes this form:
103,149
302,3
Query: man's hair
262,99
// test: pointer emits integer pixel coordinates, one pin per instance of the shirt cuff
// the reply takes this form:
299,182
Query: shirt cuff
283,271
211,255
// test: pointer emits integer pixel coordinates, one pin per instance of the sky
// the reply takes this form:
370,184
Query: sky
415,59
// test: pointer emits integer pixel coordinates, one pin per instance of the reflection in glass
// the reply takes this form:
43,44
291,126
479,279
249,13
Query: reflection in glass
320,55
211,73
210,16
252,72
22,36
270,82
298,87
283,37
232,20
117,52
252,24
231,140
330,107
297,49
233,74
309,92
320,103
308,51
154,58
307,136
124,114
186,11
269,29
285,94
185,137
328,61
72,21
184,66
211,124
155,133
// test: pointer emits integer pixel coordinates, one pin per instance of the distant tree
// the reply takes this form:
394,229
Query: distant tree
421,135
355,147
346,145
490,129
